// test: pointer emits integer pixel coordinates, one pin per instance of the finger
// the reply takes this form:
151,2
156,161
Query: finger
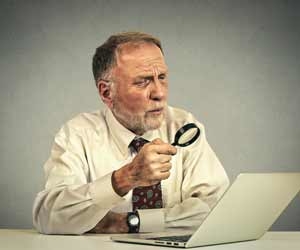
165,175
157,141
160,173
149,183
164,148
160,158
165,167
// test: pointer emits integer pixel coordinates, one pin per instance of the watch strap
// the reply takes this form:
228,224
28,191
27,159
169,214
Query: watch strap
133,228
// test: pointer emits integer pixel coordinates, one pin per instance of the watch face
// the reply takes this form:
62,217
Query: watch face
133,220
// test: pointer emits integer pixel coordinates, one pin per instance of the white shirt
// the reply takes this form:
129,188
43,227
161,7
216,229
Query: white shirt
78,191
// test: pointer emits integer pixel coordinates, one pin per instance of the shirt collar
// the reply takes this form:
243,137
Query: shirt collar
121,135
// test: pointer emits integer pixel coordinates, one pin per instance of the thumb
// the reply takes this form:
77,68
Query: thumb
157,141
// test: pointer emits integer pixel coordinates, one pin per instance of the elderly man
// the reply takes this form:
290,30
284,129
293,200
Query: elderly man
115,171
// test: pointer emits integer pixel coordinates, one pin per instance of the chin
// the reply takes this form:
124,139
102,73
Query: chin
154,123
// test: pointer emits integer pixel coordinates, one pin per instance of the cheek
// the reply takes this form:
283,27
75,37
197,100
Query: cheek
134,102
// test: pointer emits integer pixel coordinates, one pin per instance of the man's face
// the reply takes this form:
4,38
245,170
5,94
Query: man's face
140,87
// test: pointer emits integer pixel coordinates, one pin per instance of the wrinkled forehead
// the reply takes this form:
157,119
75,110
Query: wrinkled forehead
141,58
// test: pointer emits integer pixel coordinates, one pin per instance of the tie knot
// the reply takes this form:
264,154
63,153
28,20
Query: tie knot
138,143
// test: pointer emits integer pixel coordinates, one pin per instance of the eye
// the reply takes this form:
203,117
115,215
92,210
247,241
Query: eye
162,77
142,82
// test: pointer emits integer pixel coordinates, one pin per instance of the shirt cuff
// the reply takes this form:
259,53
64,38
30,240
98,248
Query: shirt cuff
151,220
103,194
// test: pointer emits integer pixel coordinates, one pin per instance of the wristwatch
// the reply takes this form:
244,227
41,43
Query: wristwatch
133,222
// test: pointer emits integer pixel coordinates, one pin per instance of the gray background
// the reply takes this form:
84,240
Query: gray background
234,64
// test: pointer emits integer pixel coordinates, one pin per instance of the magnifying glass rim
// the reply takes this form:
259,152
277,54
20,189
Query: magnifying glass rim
182,130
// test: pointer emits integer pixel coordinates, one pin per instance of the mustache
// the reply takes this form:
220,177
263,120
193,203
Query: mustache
158,107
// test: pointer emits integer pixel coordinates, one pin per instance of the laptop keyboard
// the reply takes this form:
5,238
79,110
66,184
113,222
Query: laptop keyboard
179,238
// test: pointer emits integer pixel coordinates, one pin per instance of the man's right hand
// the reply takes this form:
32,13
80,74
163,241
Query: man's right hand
151,165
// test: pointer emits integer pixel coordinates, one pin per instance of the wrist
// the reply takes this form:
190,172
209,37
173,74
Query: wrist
121,181
133,222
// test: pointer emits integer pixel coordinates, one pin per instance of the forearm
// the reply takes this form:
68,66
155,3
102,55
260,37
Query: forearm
74,210
111,223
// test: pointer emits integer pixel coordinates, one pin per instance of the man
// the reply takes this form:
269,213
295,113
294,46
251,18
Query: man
102,177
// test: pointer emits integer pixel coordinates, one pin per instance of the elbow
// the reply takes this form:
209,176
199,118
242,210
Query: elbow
47,221
40,219
46,224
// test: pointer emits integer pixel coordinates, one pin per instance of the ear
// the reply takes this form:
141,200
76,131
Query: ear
105,93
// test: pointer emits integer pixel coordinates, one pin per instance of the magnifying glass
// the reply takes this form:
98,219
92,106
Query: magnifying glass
186,135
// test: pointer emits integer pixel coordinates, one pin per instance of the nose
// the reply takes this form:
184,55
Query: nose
158,90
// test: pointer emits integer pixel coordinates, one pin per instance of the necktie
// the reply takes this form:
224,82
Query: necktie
145,197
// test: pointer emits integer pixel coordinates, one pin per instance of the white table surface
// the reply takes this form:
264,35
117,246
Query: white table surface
13,239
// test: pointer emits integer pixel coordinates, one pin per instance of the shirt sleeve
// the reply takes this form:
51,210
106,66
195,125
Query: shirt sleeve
70,204
152,220
204,182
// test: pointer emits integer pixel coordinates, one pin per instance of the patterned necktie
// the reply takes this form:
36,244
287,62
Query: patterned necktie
145,197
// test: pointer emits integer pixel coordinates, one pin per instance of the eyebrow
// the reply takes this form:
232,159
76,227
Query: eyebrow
146,75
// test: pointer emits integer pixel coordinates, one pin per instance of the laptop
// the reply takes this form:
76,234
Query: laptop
245,212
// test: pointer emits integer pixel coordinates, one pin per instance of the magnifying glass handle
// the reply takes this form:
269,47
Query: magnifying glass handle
174,144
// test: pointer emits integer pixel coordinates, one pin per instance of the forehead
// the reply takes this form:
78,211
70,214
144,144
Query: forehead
140,58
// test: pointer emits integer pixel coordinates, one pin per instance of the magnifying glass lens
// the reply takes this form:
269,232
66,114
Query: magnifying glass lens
187,136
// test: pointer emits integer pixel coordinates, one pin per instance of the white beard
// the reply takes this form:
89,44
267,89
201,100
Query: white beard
138,123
